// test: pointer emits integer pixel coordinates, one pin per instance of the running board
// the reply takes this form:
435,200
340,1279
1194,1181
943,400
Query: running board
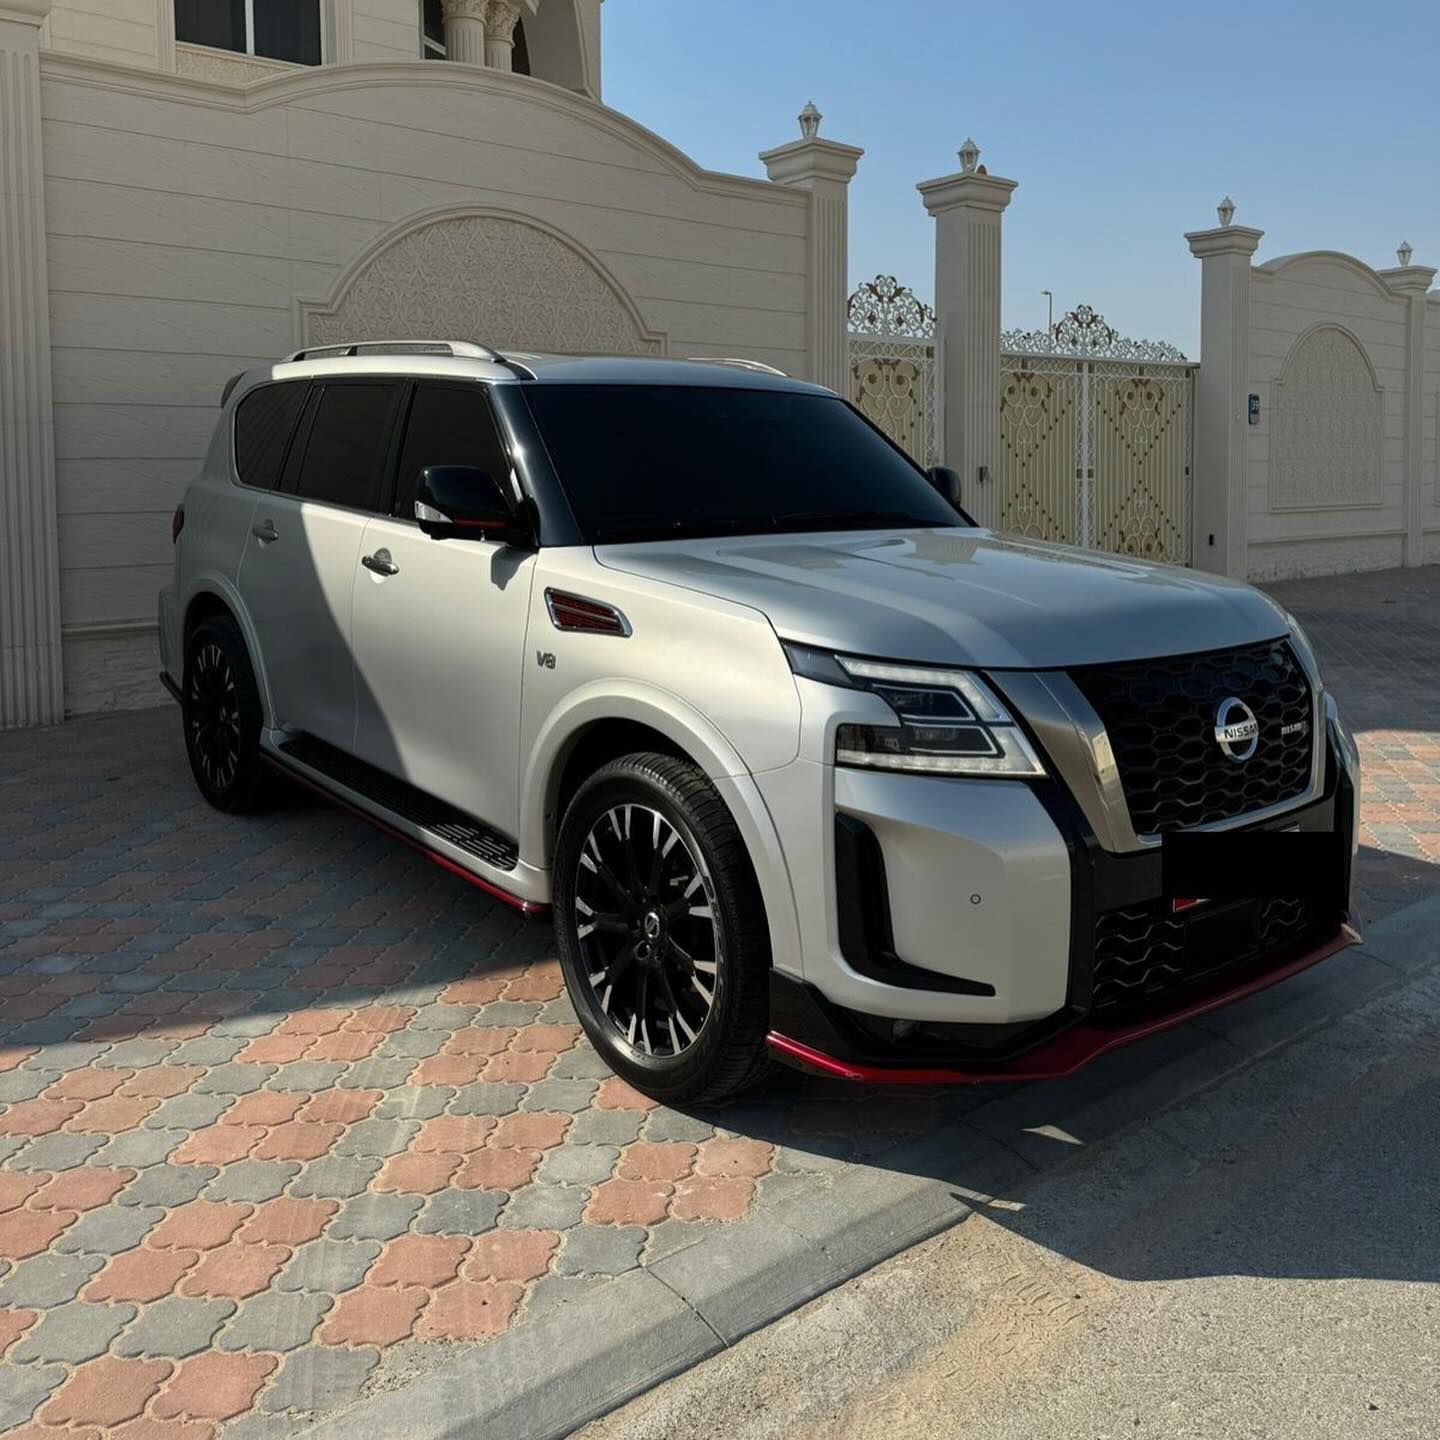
453,840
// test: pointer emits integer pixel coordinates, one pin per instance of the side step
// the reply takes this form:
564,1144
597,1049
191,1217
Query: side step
408,804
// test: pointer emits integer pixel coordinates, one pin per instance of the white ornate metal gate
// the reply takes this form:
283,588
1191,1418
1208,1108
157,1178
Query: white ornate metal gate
1095,439
892,364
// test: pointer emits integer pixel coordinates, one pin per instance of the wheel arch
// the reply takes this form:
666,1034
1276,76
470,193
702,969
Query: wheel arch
209,595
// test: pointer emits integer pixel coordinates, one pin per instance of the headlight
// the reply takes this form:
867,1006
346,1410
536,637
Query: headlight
947,722
1302,643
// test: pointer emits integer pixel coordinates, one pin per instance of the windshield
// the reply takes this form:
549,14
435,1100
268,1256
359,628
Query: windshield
665,462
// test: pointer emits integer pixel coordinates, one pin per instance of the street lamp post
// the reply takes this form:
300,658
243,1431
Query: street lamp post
1049,312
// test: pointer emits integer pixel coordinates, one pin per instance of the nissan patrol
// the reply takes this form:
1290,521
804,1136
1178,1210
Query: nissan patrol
802,762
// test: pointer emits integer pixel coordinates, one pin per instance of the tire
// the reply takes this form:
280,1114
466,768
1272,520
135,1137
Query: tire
222,717
672,982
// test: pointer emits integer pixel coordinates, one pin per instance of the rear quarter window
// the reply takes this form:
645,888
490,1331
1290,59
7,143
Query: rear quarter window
264,423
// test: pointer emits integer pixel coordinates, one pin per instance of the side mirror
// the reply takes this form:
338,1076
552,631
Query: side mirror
946,481
458,500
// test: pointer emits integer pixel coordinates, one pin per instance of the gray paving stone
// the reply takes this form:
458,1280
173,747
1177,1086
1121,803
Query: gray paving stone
558,1011
579,1063
676,1125
167,1185
329,1266
377,1137
136,1054
444,1017
560,1095
247,1027
252,1180
21,1084
71,1334
208,1050
578,1164
234,1079
544,1207
175,1327
275,1322
375,1217
606,1127
600,1250
415,1102
511,1012
138,1149
336,1177
25,1390
550,1292
11,1145
376,1072
44,1281
413,1044
669,1237
310,1076
187,1112
57,1152
459,1212
318,1377
484,1098
109,1230
71,1055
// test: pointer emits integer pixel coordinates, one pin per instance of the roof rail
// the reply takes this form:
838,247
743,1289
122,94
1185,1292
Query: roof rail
461,349
742,364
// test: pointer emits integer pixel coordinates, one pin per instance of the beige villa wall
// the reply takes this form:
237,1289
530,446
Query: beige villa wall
187,220
1430,452
386,30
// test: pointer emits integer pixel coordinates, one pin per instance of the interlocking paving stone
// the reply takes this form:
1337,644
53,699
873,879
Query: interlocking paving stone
24,1390
412,1044
579,1063
47,1280
318,1377
175,1328
140,1148
415,1102
336,1177
377,1072
186,1112
71,1333
327,1265
662,1125
484,1098
251,1180
207,1050
377,1137
577,1164
544,1207
58,1152
559,1095
167,1185
375,1217
459,1212
600,1250
606,1127
25,1084
234,1079
109,1230
275,1322
307,1075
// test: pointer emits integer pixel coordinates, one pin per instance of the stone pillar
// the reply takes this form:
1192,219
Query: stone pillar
465,30
823,168
31,677
1411,282
1222,387
967,208
501,18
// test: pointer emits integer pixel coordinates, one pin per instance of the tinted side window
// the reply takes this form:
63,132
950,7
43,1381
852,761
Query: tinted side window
348,446
264,422
449,425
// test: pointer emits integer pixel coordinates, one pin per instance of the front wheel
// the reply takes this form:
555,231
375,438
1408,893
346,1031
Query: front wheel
661,930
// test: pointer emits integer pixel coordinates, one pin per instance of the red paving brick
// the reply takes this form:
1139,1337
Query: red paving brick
198,1225
213,1386
469,1310
374,1315
140,1275
287,1220
234,1271
105,1392
511,1255
13,1324
425,1260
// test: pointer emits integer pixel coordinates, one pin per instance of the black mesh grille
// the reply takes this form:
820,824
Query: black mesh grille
1144,953
1160,716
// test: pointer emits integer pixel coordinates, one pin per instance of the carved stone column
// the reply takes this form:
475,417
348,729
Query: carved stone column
967,208
1222,385
824,168
501,18
465,30
31,677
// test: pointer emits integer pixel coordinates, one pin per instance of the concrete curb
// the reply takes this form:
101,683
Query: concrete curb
543,1380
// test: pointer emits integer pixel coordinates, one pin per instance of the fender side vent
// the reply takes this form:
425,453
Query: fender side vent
593,617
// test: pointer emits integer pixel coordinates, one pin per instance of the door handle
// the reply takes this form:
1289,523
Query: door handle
380,562
265,532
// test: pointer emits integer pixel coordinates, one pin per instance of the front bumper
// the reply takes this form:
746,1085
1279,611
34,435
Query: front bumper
1046,1010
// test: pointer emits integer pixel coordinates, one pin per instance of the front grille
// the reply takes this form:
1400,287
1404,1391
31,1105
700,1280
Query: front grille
1160,716
1144,953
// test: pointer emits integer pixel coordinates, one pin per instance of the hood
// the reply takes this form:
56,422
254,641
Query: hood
962,597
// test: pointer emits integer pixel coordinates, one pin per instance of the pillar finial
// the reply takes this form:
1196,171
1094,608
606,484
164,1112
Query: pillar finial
1404,253
810,119
969,156
1226,211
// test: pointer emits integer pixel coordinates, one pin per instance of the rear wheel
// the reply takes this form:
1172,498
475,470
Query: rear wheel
220,702
661,930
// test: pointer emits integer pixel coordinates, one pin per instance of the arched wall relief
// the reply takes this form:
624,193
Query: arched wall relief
503,279
1327,429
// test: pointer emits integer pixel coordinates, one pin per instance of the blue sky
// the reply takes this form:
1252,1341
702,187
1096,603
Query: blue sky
1124,124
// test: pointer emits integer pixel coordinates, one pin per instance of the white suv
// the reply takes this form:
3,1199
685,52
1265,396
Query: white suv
803,764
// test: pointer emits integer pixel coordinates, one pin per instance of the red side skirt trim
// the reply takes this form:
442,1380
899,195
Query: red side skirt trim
1063,1055
525,907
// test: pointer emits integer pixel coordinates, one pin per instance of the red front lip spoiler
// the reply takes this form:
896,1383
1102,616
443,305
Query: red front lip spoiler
1063,1055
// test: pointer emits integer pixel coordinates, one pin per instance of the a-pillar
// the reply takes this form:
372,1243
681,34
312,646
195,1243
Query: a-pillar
967,208
31,677
824,168
465,30
1222,387
1411,282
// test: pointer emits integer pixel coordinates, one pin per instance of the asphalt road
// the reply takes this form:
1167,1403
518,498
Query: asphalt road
1260,1261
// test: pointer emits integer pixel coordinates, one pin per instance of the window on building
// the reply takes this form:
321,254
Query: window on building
275,29
432,25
